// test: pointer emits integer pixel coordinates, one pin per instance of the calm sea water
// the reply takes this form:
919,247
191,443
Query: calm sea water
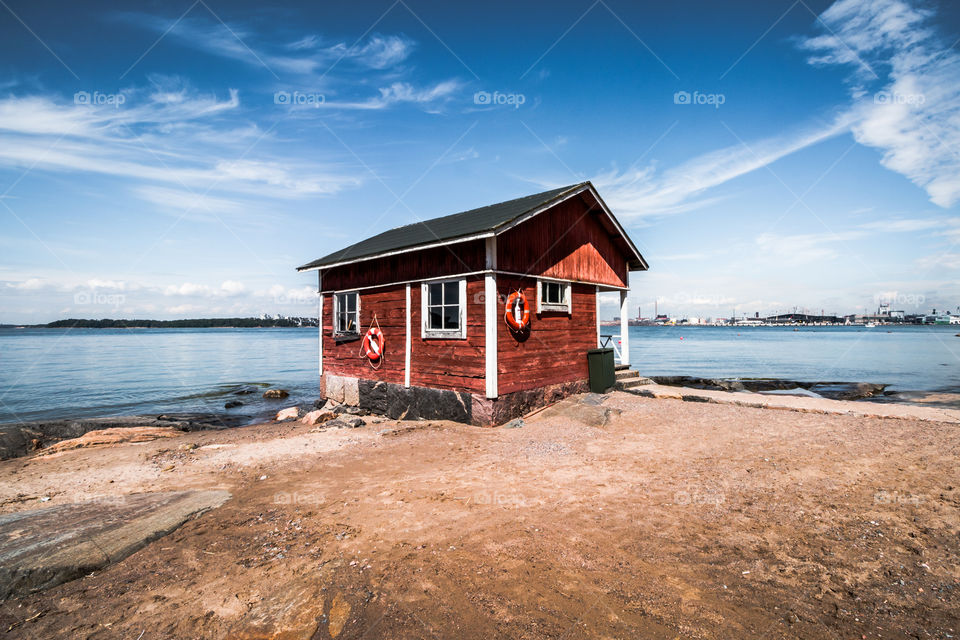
50,373
909,358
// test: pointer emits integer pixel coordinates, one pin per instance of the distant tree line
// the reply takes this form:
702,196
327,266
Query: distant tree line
194,323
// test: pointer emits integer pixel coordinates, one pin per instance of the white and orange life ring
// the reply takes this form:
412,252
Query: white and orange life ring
518,311
373,343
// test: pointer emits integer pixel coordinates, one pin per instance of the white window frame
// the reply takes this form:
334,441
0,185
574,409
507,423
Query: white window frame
336,313
448,334
564,307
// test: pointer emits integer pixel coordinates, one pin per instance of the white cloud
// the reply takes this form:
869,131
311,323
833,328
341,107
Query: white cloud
643,192
311,54
400,92
232,288
914,116
806,247
156,136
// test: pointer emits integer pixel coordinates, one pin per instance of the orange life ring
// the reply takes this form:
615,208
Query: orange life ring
373,343
517,317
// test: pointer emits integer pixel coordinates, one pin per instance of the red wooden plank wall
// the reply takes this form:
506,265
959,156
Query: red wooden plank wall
463,257
556,349
565,242
437,363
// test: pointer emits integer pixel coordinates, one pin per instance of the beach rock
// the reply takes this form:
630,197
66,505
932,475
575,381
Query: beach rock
71,540
317,417
117,435
344,408
346,423
231,404
276,394
847,390
290,413
19,439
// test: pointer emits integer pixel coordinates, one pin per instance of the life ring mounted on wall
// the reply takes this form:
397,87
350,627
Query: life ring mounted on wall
372,345
517,314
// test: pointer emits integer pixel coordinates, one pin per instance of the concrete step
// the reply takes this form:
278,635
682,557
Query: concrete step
634,381
621,367
626,373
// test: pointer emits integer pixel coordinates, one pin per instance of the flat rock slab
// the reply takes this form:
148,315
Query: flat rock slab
42,548
860,408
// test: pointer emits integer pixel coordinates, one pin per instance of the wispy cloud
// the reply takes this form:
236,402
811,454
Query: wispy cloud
401,92
308,55
165,134
906,83
642,192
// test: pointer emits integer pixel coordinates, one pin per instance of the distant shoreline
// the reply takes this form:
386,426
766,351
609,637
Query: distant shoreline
191,323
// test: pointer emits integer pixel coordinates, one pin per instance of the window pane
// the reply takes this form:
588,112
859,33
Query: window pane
436,294
351,302
435,318
451,317
451,293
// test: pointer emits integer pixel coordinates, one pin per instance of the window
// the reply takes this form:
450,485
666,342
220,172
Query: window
553,295
346,313
444,309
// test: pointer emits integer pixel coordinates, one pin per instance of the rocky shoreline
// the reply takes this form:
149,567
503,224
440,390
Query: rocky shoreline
19,439
24,438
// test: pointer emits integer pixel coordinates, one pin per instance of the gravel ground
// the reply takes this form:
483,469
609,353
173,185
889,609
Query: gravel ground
637,517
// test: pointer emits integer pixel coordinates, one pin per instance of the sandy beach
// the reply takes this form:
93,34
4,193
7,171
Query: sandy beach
630,517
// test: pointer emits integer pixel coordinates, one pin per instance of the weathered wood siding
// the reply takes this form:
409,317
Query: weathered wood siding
566,242
438,363
555,350
462,257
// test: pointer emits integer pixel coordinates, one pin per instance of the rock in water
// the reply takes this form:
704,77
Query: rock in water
232,404
71,540
275,394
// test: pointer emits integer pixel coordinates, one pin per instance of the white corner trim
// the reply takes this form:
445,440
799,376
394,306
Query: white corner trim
490,323
320,321
596,298
406,358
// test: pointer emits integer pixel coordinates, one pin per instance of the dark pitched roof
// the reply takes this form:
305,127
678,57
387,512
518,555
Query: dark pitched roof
458,225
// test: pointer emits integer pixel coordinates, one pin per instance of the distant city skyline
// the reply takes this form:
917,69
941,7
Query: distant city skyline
180,159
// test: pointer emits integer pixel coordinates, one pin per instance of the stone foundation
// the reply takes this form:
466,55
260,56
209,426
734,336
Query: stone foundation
398,402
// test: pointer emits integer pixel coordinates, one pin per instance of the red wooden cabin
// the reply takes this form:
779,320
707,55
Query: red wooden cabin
438,290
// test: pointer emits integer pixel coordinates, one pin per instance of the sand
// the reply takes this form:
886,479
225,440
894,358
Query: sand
637,517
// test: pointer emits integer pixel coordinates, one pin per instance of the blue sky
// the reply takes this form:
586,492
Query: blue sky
179,159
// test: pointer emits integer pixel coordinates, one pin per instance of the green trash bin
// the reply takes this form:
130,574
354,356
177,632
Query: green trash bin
602,372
